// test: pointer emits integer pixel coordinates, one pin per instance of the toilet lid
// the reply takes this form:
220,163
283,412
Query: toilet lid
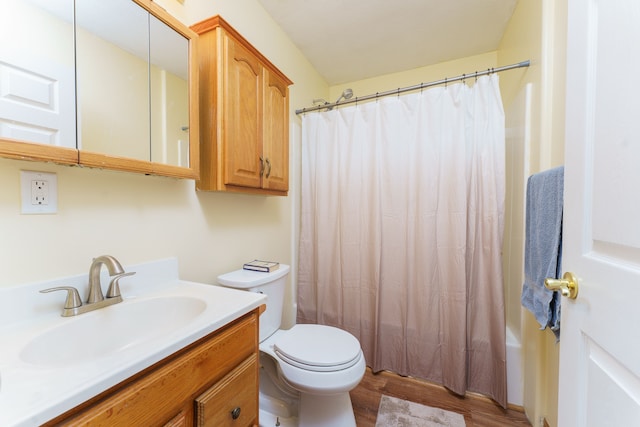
318,348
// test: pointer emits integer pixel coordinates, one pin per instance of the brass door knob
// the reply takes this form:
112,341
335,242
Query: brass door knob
568,285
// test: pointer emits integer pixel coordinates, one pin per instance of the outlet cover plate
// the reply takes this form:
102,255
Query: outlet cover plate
39,192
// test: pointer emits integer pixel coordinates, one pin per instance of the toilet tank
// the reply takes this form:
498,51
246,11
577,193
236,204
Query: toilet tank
271,284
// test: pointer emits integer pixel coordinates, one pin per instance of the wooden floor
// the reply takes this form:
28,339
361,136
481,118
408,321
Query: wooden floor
478,411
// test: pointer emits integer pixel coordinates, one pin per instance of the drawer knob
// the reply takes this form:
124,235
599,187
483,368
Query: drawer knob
235,414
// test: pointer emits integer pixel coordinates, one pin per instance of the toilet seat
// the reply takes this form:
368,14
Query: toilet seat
318,348
331,381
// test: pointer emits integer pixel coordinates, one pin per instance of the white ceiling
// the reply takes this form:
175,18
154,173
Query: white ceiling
350,40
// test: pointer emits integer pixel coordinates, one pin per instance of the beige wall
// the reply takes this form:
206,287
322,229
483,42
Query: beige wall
416,76
537,31
138,218
522,40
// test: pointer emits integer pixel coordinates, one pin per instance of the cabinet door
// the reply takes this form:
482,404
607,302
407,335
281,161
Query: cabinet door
180,420
233,400
275,133
242,110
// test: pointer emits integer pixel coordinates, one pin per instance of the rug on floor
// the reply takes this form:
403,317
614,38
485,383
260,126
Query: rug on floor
394,412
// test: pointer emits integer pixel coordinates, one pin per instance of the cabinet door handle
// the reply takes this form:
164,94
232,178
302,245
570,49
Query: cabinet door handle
261,166
235,414
268,168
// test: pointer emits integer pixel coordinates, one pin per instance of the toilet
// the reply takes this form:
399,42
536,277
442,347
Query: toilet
306,372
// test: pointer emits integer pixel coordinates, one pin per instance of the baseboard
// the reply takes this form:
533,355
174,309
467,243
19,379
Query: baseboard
480,396
514,407
469,394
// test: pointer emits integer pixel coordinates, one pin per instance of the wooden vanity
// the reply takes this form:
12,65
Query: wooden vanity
212,382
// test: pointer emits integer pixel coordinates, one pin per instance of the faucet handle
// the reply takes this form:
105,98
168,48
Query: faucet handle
114,286
73,297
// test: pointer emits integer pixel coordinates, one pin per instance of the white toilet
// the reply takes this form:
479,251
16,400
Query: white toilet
307,371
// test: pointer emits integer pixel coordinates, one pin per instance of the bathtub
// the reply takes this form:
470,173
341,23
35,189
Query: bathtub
515,387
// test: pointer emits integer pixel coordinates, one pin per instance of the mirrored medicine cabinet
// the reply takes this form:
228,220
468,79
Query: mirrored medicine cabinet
105,84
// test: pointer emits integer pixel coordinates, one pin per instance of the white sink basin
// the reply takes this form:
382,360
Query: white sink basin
91,336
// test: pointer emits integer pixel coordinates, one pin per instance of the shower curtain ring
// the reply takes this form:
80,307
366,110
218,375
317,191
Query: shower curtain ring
445,82
476,76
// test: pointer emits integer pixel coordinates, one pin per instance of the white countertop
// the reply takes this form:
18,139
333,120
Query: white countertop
33,394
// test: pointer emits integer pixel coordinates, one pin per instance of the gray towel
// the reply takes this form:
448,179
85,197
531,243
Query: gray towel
543,246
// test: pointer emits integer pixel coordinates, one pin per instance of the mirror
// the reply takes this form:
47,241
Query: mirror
169,75
124,105
37,73
112,66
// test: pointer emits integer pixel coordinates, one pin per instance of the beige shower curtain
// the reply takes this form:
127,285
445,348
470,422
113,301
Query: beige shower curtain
401,231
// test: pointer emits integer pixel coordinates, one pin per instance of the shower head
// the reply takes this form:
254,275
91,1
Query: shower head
346,94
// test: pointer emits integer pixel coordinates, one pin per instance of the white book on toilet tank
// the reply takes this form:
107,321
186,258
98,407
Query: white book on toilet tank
264,266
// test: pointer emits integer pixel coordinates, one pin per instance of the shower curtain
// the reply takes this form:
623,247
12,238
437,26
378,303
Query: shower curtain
401,232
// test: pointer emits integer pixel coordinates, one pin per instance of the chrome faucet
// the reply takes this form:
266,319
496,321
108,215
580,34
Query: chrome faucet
95,288
95,299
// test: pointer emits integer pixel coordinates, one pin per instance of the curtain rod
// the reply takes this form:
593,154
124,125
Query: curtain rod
398,91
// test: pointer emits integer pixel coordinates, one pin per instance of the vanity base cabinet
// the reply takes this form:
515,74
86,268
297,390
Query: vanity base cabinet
244,113
213,382
215,409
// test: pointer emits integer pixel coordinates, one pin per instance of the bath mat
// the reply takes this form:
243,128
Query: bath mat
394,412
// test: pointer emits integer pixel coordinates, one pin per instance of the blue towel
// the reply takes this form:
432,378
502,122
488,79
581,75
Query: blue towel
543,246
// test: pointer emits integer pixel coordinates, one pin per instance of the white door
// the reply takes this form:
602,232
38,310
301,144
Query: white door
37,100
600,335
37,76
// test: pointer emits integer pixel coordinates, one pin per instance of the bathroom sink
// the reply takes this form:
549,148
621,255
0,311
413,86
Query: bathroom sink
91,336
50,364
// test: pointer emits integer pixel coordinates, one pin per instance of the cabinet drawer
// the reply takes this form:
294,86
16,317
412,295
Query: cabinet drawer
233,400
156,395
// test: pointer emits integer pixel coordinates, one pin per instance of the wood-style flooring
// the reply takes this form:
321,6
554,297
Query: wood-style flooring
478,411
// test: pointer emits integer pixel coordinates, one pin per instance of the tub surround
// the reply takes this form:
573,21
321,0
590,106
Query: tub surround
515,387
31,394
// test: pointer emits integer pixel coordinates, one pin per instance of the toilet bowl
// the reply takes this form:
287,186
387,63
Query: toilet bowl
312,360
306,371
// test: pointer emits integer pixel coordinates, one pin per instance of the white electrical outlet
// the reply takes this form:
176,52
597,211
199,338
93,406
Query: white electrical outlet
39,192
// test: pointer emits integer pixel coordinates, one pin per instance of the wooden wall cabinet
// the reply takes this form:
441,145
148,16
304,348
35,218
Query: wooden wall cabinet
213,382
244,115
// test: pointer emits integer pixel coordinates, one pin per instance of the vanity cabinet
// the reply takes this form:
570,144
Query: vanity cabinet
213,382
244,115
